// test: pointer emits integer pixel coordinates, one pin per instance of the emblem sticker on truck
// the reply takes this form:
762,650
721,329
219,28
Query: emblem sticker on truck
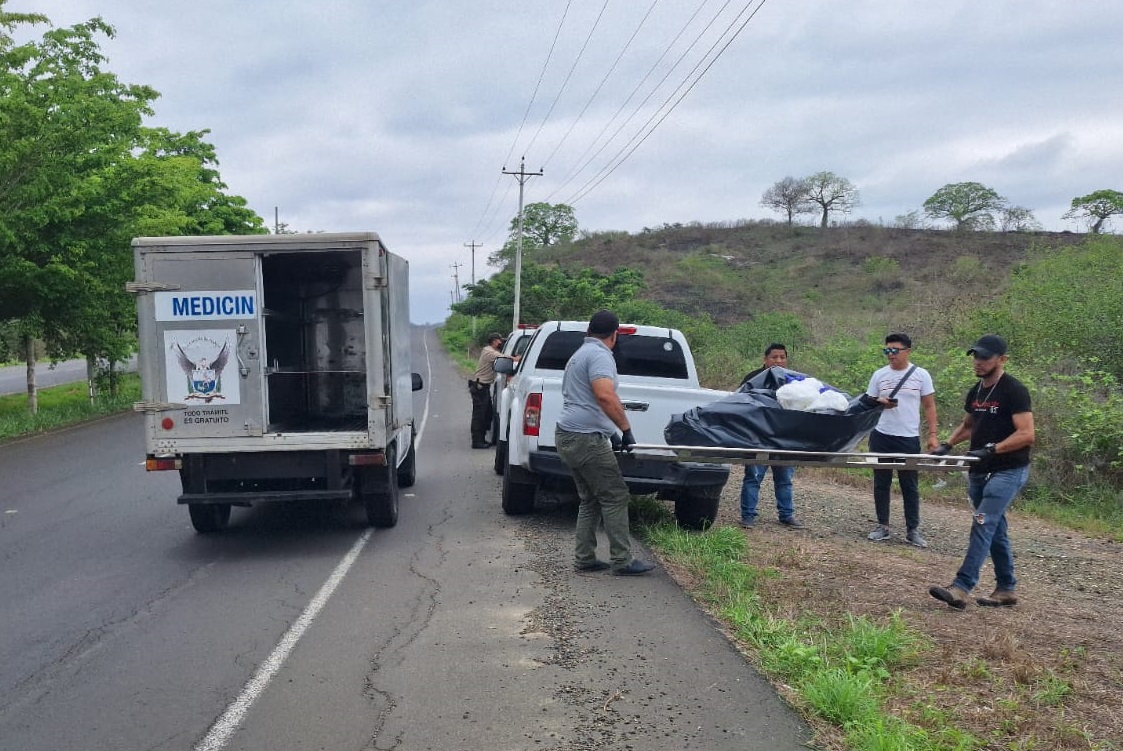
195,366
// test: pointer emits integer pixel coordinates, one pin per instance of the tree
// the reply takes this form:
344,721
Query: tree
788,196
550,293
969,205
830,193
79,176
1096,208
544,224
1018,219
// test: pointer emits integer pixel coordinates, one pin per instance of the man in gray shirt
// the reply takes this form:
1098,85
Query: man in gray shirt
586,430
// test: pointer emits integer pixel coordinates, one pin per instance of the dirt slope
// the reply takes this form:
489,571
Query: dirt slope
1001,673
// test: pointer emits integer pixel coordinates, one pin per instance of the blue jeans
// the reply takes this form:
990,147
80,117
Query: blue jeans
750,490
991,495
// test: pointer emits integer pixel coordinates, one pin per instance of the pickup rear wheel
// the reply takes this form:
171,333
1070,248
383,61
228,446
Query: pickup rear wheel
696,508
208,517
500,457
518,497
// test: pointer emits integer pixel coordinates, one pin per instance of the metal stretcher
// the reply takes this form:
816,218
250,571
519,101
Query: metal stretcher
787,458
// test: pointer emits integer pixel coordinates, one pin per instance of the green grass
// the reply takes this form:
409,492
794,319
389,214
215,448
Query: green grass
63,405
842,674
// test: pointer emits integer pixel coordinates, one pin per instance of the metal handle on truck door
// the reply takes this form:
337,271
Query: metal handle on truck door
635,406
243,370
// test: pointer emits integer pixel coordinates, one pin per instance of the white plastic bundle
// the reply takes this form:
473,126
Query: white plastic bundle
829,401
810,395
799,394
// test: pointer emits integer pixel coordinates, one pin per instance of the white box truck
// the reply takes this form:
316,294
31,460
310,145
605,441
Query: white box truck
276,368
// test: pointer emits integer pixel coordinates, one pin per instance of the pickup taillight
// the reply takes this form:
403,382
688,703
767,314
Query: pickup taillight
532,414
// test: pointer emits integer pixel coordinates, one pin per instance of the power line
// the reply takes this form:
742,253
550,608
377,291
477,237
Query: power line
526,114
585,190
568,76
603,81
582,165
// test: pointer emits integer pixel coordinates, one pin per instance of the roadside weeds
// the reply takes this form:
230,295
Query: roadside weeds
1045,674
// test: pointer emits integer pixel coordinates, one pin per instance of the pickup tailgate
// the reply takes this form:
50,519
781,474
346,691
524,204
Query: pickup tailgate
649,402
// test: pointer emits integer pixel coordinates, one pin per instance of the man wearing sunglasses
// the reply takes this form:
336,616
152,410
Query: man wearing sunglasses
903,389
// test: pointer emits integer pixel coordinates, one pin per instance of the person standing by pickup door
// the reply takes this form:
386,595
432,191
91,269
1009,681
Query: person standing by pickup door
903,389
591,414
480,389
775,355
999,422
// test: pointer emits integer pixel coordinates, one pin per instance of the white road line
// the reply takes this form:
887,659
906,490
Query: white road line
225,726
231,719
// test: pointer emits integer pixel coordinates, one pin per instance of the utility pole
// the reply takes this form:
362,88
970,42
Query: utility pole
456,280
473,245
522,176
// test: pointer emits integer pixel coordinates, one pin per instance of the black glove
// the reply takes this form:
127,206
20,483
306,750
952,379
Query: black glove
984,453
615,441
942,449
627,440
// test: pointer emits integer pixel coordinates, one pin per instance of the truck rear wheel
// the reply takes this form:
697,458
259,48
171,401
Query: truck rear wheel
518,496
208,517
696,508
378,490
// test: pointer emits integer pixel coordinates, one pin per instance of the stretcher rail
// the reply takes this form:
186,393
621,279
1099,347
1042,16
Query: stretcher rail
790,458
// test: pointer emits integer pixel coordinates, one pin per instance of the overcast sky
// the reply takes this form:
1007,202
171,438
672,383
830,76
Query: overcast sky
399,116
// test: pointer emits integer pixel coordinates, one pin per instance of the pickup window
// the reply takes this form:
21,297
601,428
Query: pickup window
636,355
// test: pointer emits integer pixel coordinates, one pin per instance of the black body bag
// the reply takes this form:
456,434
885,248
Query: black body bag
752,418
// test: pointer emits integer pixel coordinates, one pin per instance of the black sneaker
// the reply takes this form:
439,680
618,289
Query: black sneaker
792,523
748,523
595,565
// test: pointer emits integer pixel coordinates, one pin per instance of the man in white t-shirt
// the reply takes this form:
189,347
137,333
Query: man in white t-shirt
898,432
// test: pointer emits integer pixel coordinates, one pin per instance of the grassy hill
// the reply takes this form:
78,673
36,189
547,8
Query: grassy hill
842,280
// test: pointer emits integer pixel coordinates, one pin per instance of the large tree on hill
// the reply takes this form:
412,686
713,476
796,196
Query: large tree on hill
970,205
788,196
1096,208
829,192
544,224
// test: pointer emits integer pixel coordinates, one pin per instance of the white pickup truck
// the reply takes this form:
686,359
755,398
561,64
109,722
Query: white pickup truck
658,378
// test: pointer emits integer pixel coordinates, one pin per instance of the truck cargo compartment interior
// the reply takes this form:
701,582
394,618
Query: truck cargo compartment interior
315,347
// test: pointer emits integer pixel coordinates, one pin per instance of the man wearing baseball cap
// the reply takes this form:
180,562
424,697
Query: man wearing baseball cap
585,435
999,422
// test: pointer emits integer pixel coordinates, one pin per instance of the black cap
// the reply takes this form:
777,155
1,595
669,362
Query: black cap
493,336
988,346
603,322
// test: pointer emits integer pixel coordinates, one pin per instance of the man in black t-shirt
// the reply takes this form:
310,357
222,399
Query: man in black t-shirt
999,423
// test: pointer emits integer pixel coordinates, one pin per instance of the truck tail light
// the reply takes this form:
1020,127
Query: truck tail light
162,463
626,330
532,414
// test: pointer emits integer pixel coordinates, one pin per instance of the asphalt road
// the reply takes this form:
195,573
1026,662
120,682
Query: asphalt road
13,378
299,628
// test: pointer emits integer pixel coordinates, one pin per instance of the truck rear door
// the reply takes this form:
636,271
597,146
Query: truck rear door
201,329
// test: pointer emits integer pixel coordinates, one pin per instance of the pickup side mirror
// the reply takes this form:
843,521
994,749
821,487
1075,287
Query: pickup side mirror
418,384
504,365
